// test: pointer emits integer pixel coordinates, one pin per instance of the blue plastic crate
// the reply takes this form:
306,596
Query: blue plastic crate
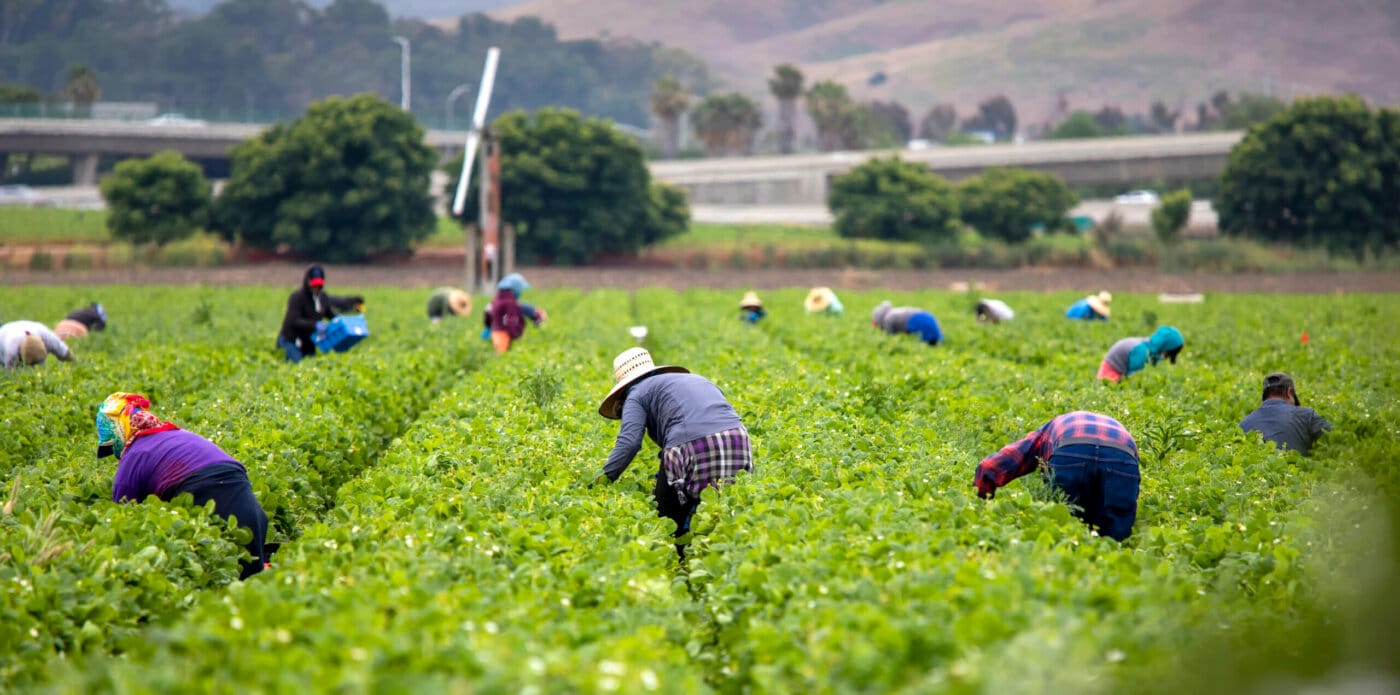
342,332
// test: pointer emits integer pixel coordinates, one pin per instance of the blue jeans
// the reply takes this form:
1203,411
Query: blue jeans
1103,482
294,353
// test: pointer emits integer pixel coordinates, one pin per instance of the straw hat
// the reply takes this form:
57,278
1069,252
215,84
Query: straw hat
1099,303
459,303
750,299
32,349
67,329
631,365
817,300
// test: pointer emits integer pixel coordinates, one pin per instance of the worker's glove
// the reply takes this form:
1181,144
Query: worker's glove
321,327
360,307
986,488
600,478
486,334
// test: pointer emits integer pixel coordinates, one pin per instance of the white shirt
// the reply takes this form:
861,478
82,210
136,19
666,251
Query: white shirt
12,335
999,309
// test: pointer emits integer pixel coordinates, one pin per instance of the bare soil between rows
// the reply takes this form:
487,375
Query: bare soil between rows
1037,279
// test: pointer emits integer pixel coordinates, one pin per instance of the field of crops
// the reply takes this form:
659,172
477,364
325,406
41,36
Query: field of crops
438,533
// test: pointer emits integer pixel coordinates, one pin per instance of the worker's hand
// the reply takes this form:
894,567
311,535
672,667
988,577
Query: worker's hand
600,478
360,307
987,492
486,334
321,327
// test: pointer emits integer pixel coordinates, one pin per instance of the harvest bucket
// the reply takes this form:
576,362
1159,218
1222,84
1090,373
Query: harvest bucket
342,332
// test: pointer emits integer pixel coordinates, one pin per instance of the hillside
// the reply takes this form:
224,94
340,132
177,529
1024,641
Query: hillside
1126,52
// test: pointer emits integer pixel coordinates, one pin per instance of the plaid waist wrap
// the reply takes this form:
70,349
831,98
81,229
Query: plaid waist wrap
709,460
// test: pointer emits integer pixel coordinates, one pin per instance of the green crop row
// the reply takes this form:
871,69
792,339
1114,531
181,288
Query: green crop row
461,548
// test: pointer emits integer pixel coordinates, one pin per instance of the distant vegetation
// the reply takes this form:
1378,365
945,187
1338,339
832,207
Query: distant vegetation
266,59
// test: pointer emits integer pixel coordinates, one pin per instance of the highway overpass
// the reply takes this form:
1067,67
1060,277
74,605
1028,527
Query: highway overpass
803,179
782,180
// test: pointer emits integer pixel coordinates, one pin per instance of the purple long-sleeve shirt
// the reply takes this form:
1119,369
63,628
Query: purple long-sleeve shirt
158,463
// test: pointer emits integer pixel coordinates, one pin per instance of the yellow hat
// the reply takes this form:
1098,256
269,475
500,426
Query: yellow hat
818,299
750,299
32,349
1099,303
631,365
459,303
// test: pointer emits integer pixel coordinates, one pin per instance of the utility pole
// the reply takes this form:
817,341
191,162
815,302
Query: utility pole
405,80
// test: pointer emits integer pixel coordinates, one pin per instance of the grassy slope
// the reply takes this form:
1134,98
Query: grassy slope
1122,51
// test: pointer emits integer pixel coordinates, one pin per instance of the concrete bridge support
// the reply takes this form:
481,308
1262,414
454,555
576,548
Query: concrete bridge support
84,169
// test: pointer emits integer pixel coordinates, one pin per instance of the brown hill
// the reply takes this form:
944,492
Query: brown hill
1125,52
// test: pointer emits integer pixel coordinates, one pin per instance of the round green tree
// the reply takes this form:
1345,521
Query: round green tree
1008,203
156,200
889,198
1323,172
574,187
347,179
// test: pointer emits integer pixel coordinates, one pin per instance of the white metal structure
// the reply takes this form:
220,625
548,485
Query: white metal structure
405,78
483,100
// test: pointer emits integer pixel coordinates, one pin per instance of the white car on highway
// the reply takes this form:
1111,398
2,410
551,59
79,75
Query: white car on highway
1143,197
177,120
23,195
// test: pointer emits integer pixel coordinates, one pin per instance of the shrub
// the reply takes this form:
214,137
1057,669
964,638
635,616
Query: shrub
156,200
888,198
347,179
1169,218
1324,172
1008,203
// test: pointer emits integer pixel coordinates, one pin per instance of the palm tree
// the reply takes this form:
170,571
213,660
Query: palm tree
726,123
786,85
833,112
82,88
668,101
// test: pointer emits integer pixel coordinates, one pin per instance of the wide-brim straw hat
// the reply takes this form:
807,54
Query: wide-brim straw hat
459,302
750,299
1099,303
32,349
819,299
631,365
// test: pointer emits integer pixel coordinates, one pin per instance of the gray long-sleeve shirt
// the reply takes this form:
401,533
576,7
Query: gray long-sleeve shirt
896,320
1288,426
1117,356
672,409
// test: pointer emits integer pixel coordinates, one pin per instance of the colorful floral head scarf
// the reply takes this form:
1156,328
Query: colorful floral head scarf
121,419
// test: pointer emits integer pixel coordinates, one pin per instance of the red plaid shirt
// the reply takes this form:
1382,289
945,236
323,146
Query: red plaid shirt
1020,458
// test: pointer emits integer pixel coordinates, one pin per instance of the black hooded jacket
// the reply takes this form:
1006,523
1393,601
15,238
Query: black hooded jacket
91,316
299,323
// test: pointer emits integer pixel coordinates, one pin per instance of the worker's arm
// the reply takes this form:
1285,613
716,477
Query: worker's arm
629,439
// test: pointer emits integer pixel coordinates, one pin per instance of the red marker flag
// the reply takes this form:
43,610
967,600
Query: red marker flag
1305,337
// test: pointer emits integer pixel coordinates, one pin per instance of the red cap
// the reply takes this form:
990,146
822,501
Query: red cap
317,282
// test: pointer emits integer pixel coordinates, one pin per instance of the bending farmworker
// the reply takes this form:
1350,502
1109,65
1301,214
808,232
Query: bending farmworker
751,308
1095,306
157,458
77,324
506,314
448,302
906,319
703,442
1283,420
1090,457
994,311
821,300
29,343
1133,354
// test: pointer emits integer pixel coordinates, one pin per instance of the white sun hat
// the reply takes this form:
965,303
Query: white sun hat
631,365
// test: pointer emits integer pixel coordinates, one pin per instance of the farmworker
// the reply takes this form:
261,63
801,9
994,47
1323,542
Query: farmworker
29,343
703,442
1095,306
505,315
77,324
906,319
155,457
1282,419
448,301
751,308
1088,456
1133,354
994,311
306,309
821,300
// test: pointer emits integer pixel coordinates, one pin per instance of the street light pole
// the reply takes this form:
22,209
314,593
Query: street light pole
457,91
404,79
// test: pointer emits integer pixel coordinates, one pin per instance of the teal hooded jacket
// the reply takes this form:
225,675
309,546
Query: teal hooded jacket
1163,340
